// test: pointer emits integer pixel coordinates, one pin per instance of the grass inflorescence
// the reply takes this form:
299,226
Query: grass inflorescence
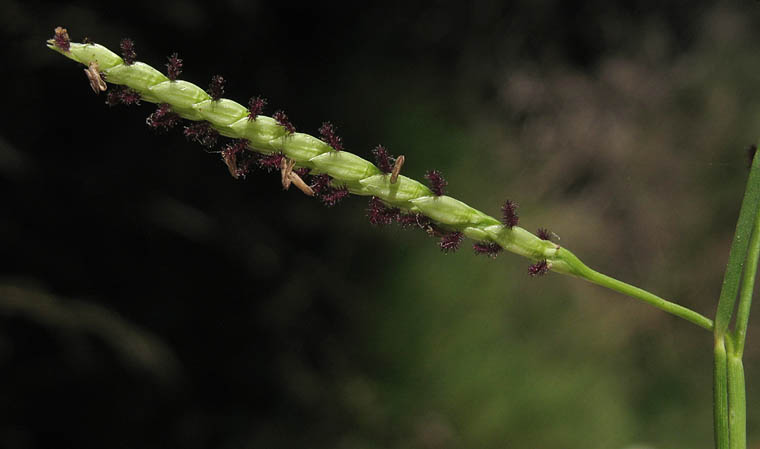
321,167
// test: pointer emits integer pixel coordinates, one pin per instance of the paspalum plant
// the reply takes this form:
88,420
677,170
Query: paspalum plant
320,167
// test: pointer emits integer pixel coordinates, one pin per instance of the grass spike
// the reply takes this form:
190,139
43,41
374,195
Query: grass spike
346,174
275,137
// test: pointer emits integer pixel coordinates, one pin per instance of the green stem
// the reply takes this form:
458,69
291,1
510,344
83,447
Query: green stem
720,395
649,298
737,401
747,288
729,389
739,249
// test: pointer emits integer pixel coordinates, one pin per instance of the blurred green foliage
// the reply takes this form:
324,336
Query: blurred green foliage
621,127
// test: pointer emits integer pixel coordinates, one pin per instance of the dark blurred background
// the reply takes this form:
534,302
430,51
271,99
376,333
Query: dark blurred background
147,299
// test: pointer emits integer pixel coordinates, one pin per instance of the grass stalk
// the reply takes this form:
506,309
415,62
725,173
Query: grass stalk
738,253
737,402
747,288
651,299
720,395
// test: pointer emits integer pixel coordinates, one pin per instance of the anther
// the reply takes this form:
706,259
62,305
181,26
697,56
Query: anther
230,160
96,81
397,168
286,168
297,181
